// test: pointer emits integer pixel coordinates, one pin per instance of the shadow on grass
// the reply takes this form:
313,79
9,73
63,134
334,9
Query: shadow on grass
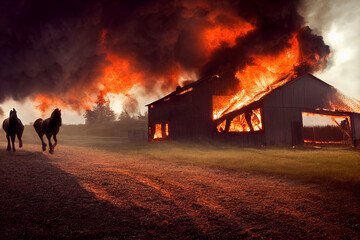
41,201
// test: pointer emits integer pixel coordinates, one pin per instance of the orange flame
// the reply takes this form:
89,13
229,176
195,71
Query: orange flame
218,34
158,132
119,76
260,78
122,72
241,124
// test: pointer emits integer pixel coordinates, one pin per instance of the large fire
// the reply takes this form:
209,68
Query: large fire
218,34
215,27
241,124
255,81
121,73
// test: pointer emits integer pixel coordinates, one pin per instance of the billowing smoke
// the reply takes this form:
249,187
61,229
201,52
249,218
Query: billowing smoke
1,112
131,105
71,52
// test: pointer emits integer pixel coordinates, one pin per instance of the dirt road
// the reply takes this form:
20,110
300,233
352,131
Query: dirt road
81,193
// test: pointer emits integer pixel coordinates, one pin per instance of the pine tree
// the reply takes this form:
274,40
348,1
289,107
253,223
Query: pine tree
102,113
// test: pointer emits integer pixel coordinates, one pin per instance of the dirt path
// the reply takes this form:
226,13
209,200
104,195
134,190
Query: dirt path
91,194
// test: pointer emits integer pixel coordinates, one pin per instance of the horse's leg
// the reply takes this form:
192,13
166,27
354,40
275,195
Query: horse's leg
42,142
51,150
13,142
55,139
19,135
8,146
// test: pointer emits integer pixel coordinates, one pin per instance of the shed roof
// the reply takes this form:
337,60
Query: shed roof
184,88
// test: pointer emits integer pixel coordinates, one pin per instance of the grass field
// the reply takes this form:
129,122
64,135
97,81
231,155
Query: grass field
102,187
338,165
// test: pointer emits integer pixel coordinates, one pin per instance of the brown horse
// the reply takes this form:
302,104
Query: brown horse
13,127
50,127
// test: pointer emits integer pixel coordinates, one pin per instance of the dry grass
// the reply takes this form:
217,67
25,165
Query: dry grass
339,165
336,165
141,190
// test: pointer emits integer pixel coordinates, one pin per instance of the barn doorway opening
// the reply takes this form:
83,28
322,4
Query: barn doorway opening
326,129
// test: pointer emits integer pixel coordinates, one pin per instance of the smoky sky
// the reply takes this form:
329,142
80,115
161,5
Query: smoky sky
53,46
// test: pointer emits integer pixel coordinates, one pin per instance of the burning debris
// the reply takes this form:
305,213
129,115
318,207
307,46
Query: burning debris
109,47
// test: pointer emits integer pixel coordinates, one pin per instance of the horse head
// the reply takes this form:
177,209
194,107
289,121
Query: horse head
56,115
13,114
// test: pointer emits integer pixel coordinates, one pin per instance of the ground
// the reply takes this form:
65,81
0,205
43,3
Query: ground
88,193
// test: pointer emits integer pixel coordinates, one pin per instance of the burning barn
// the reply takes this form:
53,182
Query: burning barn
271,114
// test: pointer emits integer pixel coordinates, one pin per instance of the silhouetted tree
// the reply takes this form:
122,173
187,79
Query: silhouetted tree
144,117
124,116
102,113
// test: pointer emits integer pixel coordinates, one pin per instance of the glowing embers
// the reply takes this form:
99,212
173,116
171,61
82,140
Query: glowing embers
161,131
248,121
326,128
185,91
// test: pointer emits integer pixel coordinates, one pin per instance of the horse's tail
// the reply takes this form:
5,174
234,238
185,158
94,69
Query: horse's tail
38,126
5,125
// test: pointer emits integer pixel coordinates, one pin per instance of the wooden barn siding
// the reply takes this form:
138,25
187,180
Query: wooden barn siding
188,115
283,107
255,139
355,125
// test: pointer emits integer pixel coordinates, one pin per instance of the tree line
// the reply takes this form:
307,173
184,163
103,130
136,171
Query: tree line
102,113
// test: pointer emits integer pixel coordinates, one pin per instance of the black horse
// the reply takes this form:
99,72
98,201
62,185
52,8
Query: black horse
13,127
50,127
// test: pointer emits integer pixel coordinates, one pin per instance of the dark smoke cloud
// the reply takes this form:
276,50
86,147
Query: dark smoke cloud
53,46
276,22
47,46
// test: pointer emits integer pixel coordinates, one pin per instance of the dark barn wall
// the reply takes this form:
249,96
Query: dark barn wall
355,125
246,139
284,106
188,115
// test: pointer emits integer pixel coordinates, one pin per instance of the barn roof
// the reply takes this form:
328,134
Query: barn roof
184,88
340,99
